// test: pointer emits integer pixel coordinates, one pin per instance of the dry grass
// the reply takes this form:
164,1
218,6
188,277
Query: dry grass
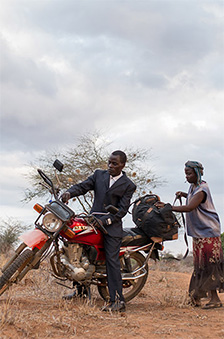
183,266
37,299
35,309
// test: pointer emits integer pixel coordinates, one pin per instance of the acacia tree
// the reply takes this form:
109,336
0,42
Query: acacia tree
81,160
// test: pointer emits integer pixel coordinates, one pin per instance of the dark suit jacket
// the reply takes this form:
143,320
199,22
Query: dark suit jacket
118,195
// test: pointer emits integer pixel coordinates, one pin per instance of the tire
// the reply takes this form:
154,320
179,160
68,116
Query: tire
16,266
17,252
131,288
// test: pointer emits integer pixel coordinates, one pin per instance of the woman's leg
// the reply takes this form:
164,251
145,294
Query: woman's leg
214,297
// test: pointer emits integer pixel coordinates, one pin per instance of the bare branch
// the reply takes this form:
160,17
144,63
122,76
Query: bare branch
80,161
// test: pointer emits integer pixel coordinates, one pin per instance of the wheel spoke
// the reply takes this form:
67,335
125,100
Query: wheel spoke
131,287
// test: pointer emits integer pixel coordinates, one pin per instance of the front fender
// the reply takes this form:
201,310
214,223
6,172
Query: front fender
34,238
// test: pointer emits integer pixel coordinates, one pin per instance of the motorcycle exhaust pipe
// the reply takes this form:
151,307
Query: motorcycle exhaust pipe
125,276
130,276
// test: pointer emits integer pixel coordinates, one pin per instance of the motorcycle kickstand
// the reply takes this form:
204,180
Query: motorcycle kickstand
89,293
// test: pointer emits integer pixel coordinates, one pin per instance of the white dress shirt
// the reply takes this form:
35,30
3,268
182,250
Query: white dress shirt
114,179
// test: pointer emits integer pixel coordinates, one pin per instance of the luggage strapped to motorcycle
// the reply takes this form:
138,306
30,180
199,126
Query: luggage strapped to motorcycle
155,221
157,198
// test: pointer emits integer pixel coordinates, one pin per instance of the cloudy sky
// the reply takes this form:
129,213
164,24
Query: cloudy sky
147,73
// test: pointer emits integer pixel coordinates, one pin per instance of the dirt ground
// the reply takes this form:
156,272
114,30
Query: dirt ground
35,309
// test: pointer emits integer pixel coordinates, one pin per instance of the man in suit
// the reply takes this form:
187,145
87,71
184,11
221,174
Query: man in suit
111,187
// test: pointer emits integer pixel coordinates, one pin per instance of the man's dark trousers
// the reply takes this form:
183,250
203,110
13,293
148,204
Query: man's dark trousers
112,250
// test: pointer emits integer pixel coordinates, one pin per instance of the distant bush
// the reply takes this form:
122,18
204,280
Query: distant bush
10,231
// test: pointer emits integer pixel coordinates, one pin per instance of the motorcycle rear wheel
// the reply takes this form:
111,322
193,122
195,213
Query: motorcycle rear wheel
131,288
10,274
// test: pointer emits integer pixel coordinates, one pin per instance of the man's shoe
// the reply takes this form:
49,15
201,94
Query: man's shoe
118,306
106,308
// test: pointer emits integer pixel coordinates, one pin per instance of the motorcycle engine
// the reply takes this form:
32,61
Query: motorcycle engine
77,265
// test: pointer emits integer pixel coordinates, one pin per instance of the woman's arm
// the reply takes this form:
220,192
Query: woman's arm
194,203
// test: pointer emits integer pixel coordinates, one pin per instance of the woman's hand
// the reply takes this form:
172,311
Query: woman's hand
159,204
180,194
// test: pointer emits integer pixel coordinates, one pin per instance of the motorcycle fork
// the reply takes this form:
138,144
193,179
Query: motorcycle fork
34,261
17,252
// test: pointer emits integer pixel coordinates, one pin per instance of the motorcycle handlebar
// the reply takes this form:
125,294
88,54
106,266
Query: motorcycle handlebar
94,222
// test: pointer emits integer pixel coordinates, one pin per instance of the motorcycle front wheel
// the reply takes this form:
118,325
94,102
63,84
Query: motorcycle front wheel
131,287
11,273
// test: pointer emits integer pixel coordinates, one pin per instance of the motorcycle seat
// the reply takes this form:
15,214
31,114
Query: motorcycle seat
134,237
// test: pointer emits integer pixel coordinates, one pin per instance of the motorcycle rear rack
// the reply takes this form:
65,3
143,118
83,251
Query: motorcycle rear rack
142,248
128,252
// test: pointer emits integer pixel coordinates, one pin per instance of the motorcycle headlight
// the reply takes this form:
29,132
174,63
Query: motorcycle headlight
51,222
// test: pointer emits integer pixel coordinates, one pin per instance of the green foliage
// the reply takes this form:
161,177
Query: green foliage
10,231
222,239
81,160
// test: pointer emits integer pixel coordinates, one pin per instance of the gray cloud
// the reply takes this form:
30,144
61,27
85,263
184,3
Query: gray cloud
147,73
24,73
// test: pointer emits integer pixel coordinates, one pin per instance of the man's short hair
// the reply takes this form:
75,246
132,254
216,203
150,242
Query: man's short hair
123,156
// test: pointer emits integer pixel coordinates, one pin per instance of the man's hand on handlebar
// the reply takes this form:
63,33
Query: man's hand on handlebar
65,197
97,223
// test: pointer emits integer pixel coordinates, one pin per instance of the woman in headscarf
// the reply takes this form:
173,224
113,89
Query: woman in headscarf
203,225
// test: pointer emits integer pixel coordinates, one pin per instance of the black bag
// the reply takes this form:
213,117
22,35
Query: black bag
155,222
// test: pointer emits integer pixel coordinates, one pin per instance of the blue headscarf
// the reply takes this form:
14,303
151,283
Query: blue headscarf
197,167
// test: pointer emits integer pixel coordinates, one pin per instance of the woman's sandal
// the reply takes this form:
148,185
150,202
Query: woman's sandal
212,305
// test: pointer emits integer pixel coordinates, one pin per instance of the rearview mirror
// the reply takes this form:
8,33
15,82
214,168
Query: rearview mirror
58,165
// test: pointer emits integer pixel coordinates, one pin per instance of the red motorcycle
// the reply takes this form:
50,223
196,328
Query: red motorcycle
75,248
